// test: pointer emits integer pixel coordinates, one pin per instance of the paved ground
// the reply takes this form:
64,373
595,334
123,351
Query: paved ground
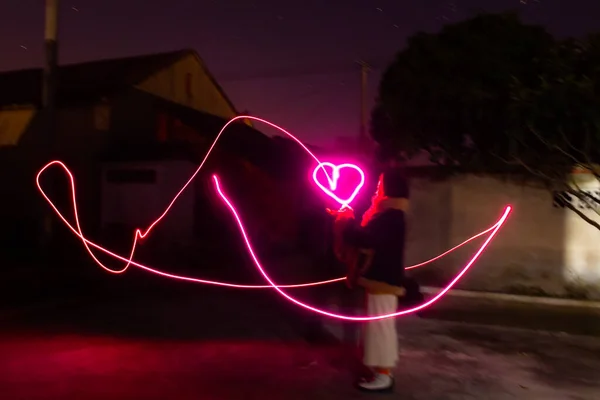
183,342
567,319
461,361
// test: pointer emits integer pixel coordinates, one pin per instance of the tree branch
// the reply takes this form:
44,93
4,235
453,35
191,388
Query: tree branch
566,139
585,196
587,165
582,215
577,193
588,161
537,173
582,197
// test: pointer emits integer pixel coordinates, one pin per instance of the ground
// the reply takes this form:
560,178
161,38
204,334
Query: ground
179,341
463,361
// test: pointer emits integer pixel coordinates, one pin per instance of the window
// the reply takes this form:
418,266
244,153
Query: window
124,176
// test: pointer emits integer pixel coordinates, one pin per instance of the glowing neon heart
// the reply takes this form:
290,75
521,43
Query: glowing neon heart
333,181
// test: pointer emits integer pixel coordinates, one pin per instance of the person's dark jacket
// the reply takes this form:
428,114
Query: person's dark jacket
381,241
384,237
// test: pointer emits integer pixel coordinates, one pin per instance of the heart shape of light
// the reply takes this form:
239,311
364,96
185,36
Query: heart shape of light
333,181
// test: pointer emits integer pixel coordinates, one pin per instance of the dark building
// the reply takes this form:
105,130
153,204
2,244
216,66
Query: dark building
117,117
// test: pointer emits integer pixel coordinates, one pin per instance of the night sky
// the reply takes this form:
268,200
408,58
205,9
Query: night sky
290,61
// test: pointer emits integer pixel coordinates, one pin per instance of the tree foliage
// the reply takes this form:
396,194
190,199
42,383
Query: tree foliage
555,121
449,93
492,92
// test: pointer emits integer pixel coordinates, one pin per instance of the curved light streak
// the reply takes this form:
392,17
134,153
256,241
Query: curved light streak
77,230
349,317
88,243
139,234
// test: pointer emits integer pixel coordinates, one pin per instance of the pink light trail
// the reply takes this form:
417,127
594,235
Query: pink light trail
139,234
347,317
88,243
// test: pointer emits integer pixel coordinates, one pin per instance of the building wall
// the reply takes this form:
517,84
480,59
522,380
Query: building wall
272,206
132,117
136,203
83,133
129,202
582,253
204,95
77,131
13,121
76,142
20,204
77,128
541,249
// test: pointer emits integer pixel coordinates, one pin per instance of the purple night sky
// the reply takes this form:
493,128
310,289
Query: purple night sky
291,62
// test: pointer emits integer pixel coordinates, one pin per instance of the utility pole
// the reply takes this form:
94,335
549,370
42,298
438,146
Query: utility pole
363,138
50,68
49,89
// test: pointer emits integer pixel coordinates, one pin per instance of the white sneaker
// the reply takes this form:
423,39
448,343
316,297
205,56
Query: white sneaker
379,383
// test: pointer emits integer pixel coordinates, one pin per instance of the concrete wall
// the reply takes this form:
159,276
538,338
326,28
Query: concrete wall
542,249
582,251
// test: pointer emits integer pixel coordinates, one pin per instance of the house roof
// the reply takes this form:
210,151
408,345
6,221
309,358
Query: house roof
90,80
239,138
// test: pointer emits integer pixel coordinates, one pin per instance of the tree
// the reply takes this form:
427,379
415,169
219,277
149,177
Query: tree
555,123
448,93
491,93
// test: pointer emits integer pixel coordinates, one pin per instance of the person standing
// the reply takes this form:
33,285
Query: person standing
374,252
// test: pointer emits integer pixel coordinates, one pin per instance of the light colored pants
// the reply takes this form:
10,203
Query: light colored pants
381,339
